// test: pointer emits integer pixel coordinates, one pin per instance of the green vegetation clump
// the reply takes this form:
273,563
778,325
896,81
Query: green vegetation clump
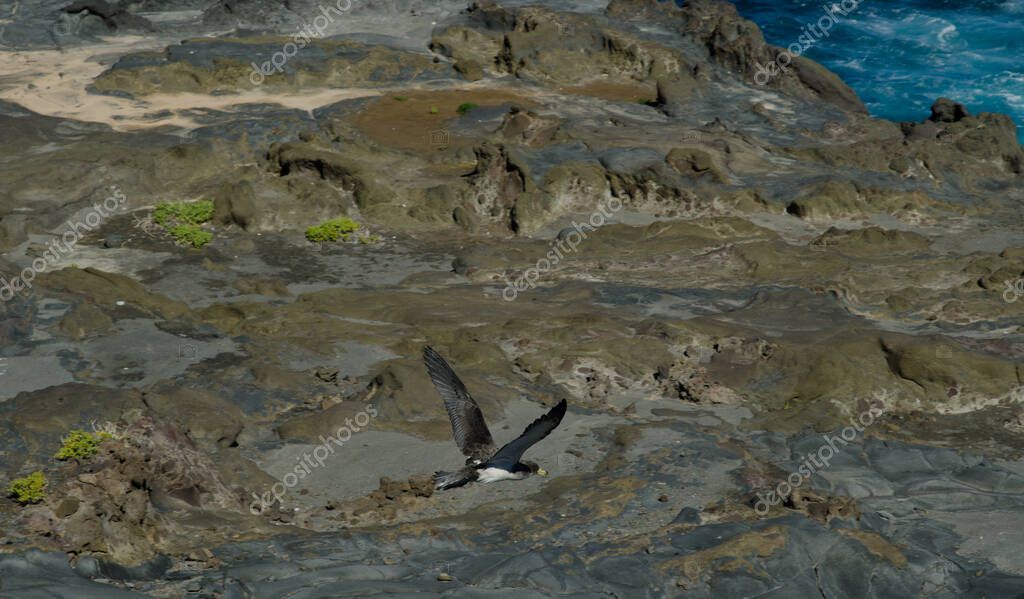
29,489
401,98
332,230
433,110
191,235
196,213
80,444
466,107
182,219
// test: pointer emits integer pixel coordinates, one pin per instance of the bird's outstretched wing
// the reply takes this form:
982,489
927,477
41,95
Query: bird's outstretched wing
468,426
511,453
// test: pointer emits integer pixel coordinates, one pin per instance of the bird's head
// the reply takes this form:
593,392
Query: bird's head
535,468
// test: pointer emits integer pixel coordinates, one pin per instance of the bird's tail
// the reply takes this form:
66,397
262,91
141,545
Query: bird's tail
449,480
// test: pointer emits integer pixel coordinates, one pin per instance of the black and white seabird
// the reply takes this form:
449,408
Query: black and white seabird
484,463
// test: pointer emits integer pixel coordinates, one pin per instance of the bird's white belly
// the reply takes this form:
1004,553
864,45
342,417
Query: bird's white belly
490,475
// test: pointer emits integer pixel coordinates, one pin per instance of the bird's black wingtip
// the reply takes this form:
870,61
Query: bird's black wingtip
559,410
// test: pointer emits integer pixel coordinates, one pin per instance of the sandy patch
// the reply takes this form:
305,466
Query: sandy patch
55,83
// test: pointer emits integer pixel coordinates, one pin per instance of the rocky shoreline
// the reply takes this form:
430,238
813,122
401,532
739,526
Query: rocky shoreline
789,333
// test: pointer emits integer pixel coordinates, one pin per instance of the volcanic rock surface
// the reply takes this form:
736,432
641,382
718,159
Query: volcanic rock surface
578,199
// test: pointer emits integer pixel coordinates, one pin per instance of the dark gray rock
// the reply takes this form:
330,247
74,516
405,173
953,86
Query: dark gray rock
38,575
945,110
687,515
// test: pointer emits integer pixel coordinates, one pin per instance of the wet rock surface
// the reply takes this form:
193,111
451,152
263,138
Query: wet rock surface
789,333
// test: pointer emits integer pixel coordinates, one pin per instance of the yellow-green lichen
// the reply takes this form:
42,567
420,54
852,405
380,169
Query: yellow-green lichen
182,221
28,489
196,213
332,230
80,444
191,235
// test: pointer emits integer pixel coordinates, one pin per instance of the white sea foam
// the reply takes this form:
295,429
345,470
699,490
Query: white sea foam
946,35
900,56
1014,6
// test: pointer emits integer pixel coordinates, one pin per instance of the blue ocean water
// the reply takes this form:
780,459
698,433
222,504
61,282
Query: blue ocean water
899,56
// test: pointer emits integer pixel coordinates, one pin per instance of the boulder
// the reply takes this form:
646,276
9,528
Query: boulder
694,162
234,203
945,110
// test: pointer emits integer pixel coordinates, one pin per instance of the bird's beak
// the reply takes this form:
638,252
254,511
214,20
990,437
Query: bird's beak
542,472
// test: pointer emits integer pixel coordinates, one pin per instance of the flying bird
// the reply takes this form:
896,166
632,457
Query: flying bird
484,463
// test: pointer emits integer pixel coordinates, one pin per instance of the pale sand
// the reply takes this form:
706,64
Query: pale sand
53,83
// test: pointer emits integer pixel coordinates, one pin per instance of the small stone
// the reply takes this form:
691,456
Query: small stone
444,577
469,69
327,375
67,507
200,555
663,498
687,515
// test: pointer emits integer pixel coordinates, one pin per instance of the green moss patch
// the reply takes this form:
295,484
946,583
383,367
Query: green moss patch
196,213
28,489
182,221
466,107
80,445
191,235
333,230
